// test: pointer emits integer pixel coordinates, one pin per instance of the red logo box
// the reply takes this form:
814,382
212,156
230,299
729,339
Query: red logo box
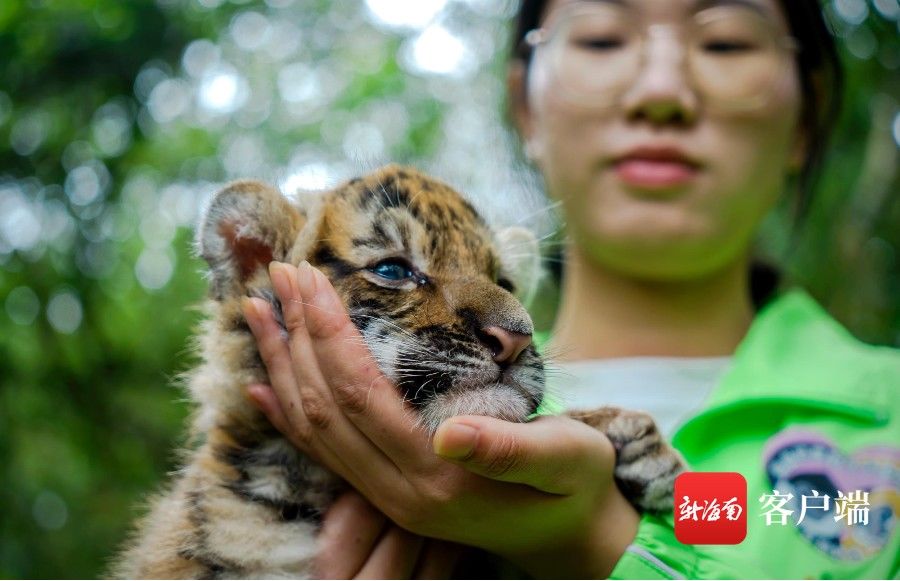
710,508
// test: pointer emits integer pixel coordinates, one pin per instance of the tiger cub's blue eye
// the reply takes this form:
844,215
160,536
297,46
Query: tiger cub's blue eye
392,270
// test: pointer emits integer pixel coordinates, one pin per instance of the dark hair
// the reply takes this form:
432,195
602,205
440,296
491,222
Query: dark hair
821,80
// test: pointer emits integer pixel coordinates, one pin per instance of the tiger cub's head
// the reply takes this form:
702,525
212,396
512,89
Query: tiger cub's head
430,286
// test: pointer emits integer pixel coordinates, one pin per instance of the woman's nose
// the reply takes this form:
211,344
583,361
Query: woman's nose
505,345
663,91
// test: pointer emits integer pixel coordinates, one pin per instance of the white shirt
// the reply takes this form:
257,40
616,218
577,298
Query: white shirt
671,389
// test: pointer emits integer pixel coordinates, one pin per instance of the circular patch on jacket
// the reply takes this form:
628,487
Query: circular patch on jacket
800,461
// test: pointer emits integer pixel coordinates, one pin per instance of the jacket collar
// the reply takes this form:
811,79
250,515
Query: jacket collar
796,355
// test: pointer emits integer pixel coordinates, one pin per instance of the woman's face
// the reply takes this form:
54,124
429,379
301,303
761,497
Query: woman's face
666,181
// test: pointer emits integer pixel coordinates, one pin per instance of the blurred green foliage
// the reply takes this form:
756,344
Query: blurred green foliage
117,119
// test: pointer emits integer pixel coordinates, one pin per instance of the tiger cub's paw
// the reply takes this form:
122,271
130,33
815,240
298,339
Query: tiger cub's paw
646,465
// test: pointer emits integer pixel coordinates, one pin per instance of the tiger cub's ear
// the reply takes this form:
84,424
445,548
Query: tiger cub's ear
245,227
520,256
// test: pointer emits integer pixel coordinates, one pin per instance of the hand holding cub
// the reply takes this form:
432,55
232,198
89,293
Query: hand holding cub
540,494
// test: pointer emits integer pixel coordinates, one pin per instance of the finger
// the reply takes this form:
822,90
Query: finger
314,393
264,398
287,412
359,388
553,454
333,438
349,533
316,405
277,358
394,557
438,560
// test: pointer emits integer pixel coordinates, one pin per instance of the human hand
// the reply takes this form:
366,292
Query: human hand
358,542
528,492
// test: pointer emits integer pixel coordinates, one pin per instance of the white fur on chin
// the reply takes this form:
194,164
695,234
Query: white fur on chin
497,400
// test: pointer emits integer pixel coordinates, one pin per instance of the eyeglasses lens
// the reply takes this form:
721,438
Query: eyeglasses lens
733,56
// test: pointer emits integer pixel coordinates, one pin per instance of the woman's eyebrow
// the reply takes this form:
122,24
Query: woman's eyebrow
755,6
702,4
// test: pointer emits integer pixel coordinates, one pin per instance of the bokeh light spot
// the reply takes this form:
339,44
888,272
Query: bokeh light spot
298,83
50,511
150,75
851,11
313,176
890,9
222,90
22,305
243,155
364,142
28,133
496,8
180,204
154,269
199,56
157,230
404,13
83,185
58,225
250,30
168,100
437,51
64,312
20,226
111,129
284,40
862,43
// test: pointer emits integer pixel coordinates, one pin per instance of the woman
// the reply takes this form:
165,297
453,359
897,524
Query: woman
667,130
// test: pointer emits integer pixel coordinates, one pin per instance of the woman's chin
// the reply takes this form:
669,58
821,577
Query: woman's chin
663,259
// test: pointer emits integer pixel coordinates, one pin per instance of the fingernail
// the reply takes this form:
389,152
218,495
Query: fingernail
252,311
306,282
254,394
325,297
455,441
279,280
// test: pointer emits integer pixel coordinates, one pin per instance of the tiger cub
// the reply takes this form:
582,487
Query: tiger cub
419,271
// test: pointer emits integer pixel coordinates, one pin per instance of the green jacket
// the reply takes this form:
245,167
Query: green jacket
804,406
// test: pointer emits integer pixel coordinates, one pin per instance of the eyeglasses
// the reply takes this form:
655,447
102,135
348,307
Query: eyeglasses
734,56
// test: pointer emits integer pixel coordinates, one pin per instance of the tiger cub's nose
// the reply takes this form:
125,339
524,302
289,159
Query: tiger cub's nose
505,345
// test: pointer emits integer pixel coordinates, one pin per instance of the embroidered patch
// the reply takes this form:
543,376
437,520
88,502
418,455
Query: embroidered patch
800,461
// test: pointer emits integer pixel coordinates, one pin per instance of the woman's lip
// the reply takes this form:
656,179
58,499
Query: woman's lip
655,173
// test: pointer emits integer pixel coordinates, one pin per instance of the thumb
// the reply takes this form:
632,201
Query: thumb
553,453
